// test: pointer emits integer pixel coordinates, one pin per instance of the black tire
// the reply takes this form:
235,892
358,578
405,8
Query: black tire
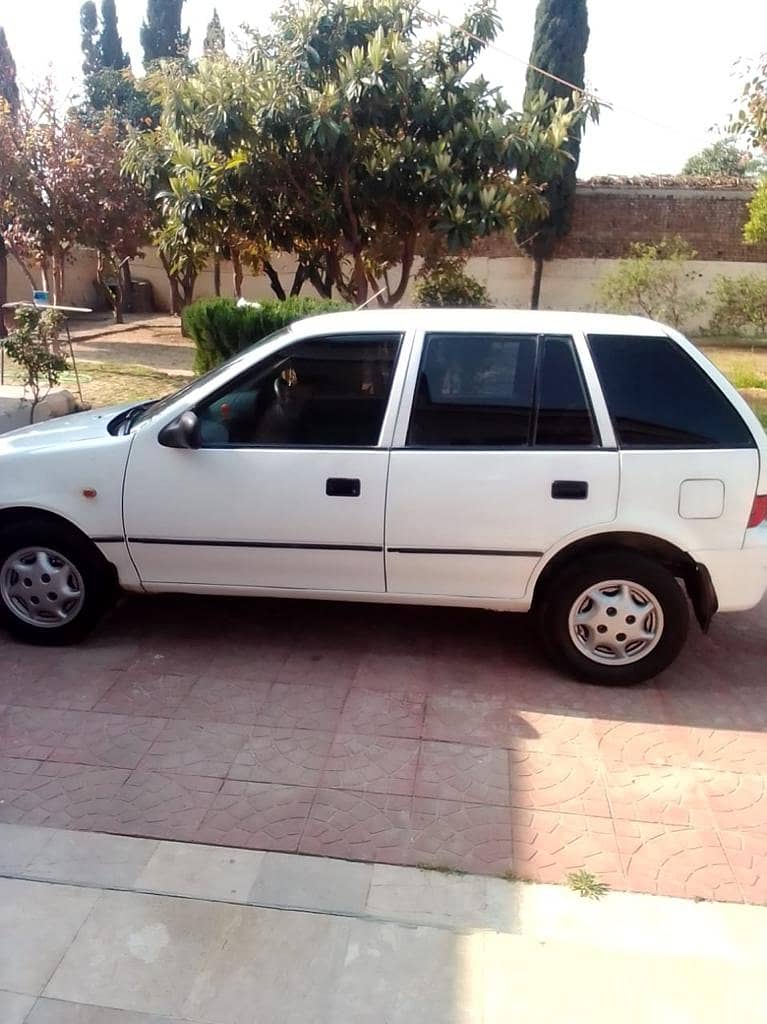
565,588
97,580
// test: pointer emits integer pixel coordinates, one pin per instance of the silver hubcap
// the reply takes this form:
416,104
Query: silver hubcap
41,587
616,622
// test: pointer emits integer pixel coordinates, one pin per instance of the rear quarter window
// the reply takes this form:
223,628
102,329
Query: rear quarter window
658,397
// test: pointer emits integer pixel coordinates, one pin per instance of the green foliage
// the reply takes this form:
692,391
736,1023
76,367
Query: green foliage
756,227
89,26
161,35
9,89
220,328
587,885
559,47
654,282
744,375
31,344
723,158
110,44
739,303
215,36
447,284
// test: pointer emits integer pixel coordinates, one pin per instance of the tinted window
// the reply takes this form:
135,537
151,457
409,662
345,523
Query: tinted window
659,398
328,392
564,417
475,391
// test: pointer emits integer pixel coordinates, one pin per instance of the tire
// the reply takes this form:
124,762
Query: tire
79,577
620,618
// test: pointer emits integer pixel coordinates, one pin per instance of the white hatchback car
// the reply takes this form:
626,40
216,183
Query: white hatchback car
578,464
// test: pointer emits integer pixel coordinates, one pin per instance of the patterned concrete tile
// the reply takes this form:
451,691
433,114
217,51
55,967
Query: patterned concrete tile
60,795
542,780
302,706
73,688
462,718
636,742
159,804
546,846
35,732
384,714
147,693
675,861
319,668
225,699
291,757
371,764
195,748
657,793
573,734
358,826
116,741
460,835
729,750
454,771
393,673
747,856
737,800
257,815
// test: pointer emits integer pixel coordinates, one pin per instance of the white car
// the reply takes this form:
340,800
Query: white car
582,465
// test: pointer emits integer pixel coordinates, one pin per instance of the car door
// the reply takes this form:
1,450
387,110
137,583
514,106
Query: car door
287,488
498,458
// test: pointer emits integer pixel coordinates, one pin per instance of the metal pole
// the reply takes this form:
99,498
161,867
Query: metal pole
74,361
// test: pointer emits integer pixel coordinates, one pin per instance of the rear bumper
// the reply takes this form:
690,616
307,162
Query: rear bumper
739,577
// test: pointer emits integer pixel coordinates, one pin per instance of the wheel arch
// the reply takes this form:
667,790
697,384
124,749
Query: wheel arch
696,577
15,514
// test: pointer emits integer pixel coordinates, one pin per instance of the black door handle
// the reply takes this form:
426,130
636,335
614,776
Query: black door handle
342,487
571,490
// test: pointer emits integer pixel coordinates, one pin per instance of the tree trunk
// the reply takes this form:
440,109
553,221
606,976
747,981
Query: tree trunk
360,280
126,287
274,281
45,274
237,274
302,274
58,279
173,287
3,285
535,292
217,276
113,299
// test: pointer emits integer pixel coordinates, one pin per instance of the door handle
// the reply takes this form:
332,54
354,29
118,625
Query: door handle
342,487
570,490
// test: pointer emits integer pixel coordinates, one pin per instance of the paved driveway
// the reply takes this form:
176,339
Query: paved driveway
405,735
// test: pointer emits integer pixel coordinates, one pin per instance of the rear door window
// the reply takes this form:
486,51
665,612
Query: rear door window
564,418
658,397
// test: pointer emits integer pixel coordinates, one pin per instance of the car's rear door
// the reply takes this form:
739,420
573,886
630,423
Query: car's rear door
288,487
497,457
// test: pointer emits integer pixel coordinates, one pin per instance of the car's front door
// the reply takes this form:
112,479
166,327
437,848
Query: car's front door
500,459
287,489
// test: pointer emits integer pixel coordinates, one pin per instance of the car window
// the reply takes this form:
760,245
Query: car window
474,391
564,417
323,392
659,397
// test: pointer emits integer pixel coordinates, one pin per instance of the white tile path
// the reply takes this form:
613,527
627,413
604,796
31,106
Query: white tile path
99,929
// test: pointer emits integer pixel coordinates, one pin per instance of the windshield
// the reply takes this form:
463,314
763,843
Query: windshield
164,403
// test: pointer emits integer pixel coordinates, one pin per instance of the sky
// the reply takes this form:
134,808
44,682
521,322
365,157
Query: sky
664,66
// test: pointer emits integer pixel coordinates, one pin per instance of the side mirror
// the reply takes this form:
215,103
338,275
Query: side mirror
183,432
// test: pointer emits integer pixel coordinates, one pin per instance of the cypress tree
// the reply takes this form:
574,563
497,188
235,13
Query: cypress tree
559,48
161,35
89,26
111,51
215,37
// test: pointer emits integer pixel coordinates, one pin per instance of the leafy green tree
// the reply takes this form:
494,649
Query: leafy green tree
161,35
559,48
723,158
654,281
111,51
751,122
446,283
215,36
110,89
347,135
9,102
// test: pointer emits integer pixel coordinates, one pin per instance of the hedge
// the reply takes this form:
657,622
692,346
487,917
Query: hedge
220,328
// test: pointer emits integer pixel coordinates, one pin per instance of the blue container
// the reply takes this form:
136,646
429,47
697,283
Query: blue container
40,298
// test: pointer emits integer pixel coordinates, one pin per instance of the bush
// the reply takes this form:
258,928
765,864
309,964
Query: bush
32,344
653,282
739,303
446,283
220,328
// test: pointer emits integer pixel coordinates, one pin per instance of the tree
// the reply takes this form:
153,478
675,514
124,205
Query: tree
751,122
559,47
9,102
215,37
723,158
111,51
89,26
346,136
32,345
161,35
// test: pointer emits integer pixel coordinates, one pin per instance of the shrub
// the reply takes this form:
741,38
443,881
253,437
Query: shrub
739,303
654,281
32,344
446,283
220,328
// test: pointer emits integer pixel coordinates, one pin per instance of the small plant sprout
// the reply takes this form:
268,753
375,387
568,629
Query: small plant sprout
587,885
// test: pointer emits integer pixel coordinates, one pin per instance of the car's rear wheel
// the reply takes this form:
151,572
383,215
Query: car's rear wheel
54,583
619,618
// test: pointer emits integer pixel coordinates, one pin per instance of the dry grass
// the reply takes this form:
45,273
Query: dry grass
112,384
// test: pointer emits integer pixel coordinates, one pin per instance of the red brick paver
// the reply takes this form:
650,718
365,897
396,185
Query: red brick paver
403,735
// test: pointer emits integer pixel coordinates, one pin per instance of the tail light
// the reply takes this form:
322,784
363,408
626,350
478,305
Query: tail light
758,511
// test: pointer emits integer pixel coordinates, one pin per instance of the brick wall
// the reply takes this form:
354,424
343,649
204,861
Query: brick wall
609,215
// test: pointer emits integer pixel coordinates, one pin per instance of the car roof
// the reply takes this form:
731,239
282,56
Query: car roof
473,320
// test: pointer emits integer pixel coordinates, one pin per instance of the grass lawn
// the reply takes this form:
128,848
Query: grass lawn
744,362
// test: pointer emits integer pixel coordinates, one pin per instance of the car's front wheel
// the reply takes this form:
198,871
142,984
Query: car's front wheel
54,584
617,618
